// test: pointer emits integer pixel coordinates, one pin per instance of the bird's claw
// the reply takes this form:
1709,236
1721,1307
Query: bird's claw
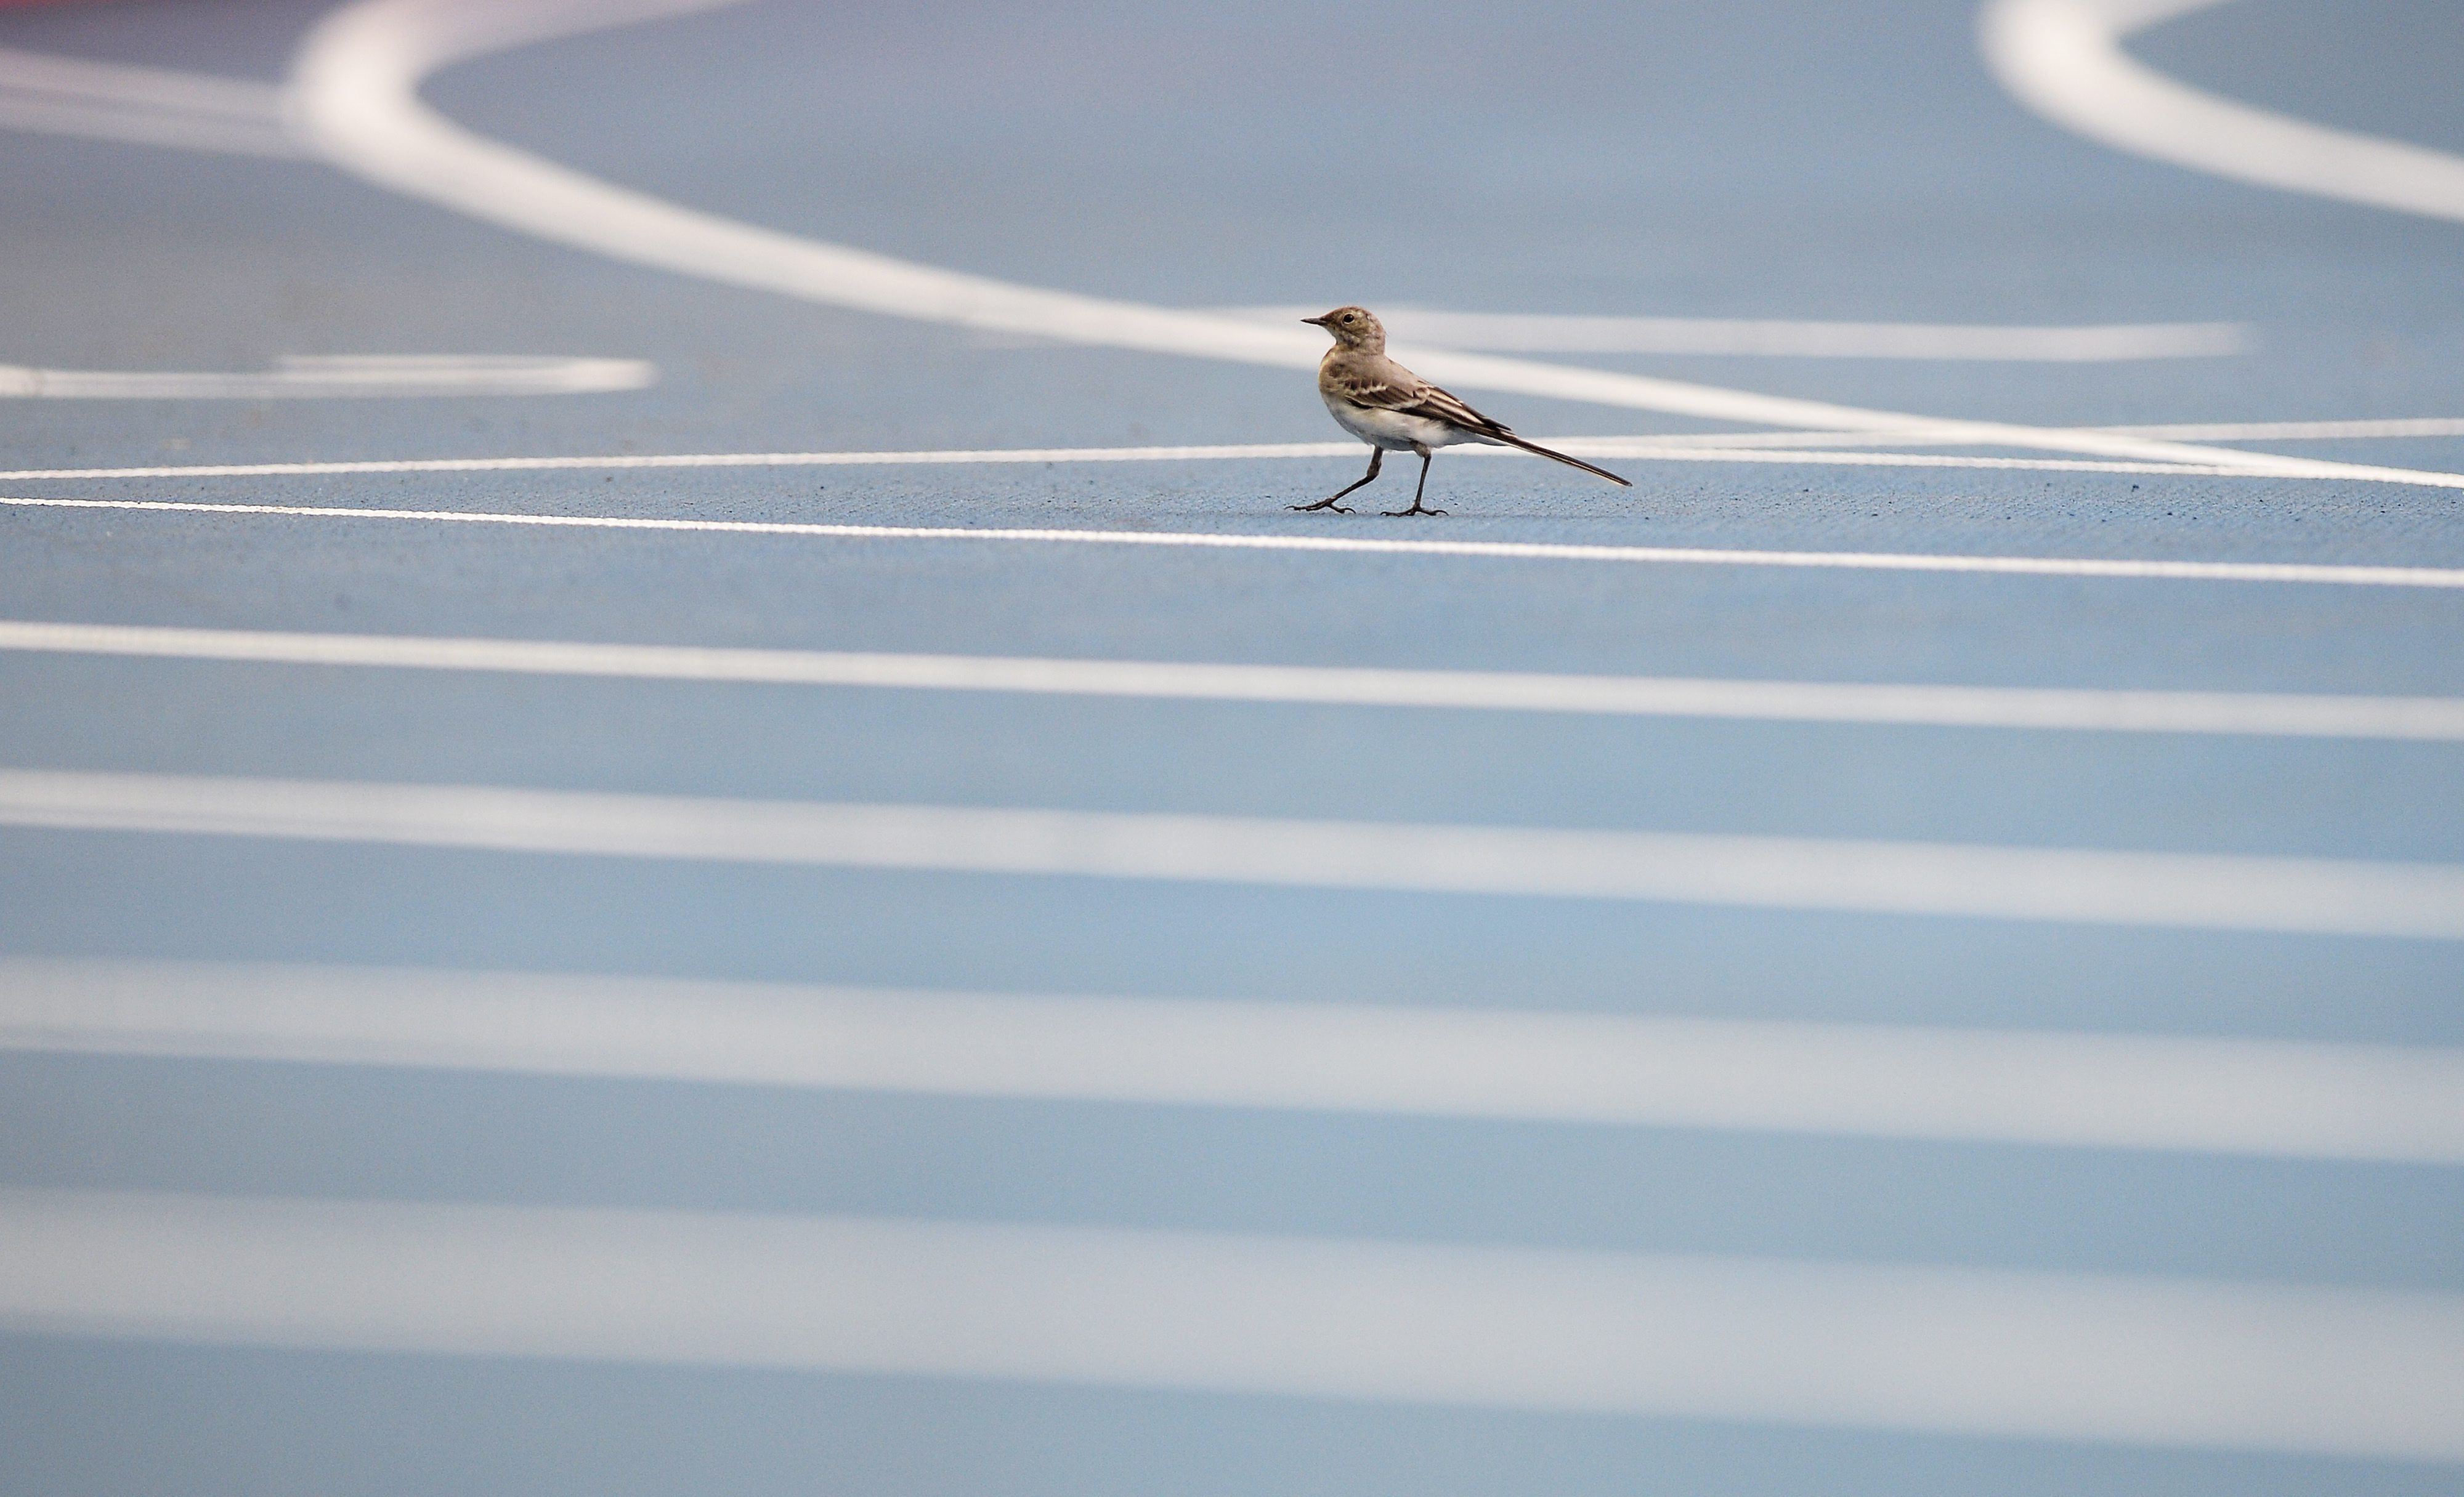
1323,504
1397,514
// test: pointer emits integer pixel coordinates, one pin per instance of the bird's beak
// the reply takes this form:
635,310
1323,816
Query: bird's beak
1318,322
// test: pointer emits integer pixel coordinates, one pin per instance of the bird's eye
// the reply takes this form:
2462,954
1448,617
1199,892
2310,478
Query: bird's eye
1346,317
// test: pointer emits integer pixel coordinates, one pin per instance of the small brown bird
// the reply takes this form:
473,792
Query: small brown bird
1395,410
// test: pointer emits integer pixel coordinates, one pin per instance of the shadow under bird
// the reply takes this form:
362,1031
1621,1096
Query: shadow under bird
1395,410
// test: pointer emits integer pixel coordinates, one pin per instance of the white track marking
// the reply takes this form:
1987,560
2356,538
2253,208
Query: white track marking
2064,59
169,108
2304,431
1504,333
2432,719
2264,1098
1629,447
354,96
2169,1362
2326,573
151,106
621,462
1638,448
2188,891
2205,431
1744,446
43,116
303,376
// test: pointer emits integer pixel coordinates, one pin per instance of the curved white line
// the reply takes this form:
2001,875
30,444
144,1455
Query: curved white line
71,97
2064,59
307,377
2263,714
2314,573
355,97
2263,1099
2304,896
2135,1360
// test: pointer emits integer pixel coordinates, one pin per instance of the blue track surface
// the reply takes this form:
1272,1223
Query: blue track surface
1847,161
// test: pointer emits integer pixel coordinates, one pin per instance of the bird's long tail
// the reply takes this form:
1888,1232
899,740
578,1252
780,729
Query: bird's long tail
1513,441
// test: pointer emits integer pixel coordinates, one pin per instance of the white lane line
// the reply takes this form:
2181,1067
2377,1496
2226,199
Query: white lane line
2262,1099
2303,430
2168,1362
2175,890
2308,572
2430,719
139,87
40,115
1633,447
2064,59
2205,431
1507,333
693,460
1746,446
1650,451
355,97
151,106
305,376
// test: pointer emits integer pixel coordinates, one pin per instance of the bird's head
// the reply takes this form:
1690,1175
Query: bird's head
1354,327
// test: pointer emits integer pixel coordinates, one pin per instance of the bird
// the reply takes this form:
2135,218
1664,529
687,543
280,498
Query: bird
1395,410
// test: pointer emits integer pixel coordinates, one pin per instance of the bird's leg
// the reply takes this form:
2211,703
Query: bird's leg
1426,455
1376,455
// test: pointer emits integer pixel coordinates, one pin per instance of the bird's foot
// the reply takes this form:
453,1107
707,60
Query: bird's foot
1323,504
1417,509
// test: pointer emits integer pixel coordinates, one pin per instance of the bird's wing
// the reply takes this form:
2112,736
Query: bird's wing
1387,385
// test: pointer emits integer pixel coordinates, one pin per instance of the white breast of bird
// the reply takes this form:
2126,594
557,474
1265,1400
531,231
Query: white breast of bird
1396,431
